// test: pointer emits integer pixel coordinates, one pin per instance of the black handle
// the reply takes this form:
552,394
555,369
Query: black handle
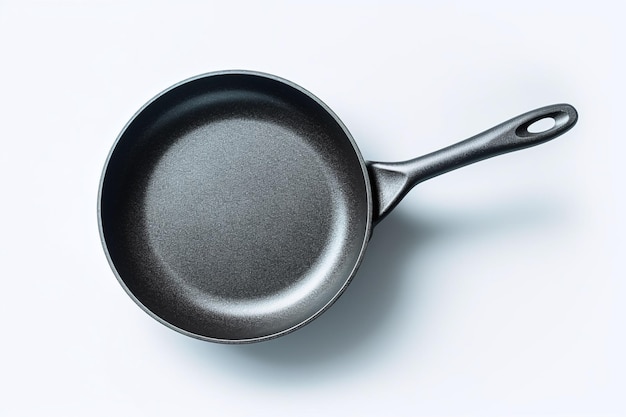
391,181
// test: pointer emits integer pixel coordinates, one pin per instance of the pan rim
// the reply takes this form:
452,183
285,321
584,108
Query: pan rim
348,136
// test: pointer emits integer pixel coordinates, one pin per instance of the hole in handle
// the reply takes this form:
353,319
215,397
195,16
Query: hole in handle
541,125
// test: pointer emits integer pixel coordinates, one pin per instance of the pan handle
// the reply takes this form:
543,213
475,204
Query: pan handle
391,181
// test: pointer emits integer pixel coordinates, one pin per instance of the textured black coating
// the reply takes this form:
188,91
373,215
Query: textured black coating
235,206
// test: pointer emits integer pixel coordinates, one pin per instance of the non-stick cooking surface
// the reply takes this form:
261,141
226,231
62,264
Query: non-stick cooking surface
235,207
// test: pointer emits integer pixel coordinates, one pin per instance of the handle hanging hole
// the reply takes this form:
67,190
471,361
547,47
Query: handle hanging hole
541,125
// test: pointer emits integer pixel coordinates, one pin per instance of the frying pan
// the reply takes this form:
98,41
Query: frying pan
236,207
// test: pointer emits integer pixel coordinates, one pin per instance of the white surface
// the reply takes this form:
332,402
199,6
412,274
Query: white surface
496,290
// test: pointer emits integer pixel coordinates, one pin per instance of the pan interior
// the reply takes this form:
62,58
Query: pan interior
234,207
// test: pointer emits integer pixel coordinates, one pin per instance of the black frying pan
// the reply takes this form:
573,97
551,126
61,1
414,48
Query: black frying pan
236,207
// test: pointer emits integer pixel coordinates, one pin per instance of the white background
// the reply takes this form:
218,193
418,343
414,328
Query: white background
495,290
